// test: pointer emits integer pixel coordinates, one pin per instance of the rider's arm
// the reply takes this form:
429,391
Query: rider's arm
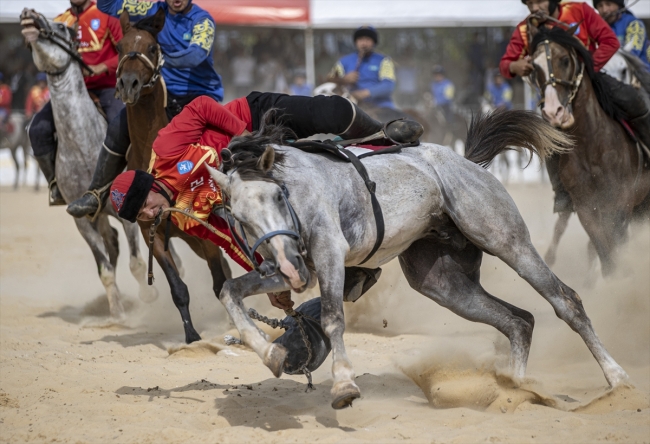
115,36
386,84
602,34
199,49
137,9
635,37
515,51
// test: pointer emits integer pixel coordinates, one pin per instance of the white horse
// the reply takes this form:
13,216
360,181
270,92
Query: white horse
80,133
310,218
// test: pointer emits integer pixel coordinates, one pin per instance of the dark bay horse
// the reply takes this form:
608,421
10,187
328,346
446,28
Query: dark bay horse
606,173
142,89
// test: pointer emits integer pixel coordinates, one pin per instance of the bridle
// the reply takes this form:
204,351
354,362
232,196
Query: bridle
574,83
242,241
155,69
46,32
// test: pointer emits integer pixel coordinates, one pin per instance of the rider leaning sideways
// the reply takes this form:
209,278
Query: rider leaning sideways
596,35
629,30
177,175
97,35
188,71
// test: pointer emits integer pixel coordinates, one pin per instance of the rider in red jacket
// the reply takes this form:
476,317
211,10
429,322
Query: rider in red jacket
98,35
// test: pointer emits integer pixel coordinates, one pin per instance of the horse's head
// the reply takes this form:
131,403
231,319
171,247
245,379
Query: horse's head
618,68
560,62
140,56
261,207
48,41
332,89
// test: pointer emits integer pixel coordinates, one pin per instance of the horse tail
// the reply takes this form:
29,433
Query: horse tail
493,133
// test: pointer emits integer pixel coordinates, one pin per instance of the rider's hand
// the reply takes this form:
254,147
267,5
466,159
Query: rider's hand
521,67
97,69
360,94
351,78
281,300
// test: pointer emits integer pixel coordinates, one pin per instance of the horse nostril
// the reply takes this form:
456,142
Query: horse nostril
135,83
559,111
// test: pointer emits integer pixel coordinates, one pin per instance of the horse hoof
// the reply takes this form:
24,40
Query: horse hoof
344,393
618,377
148,294
192,336
275,357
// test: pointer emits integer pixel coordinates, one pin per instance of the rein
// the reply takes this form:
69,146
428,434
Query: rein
574,83
155,69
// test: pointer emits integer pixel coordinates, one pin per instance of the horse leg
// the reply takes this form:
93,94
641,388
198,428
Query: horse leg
560,227
592,260
109,234
232,295
137,265
597,224
177,260
14,156
106,270
489,218
180,293
451,278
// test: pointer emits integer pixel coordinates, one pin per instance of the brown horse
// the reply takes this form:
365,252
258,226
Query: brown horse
606,174
141,88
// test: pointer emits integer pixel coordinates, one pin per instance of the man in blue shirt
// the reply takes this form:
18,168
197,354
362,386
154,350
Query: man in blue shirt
369,75
630,31
186,43
443,92
499,93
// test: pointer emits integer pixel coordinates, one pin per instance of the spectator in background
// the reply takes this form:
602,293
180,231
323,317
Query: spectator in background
5,101
299,86
499,92
443,91
38,96
476,55
243,72
270,77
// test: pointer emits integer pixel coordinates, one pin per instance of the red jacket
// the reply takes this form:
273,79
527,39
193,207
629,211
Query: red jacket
193,138
593,32
98,35
36,100
5,98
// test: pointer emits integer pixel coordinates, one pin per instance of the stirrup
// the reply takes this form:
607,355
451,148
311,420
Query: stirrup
51,201
97,194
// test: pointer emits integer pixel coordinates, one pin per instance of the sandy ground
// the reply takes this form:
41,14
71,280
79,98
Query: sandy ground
67,374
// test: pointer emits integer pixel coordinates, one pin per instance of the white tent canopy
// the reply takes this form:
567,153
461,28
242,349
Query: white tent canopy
347,13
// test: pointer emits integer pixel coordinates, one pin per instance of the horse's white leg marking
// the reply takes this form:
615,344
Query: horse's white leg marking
112,293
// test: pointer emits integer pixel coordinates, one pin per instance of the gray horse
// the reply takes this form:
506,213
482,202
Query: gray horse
441,212
18,138
80,132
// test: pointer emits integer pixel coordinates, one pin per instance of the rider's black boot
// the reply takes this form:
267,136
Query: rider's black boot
47,162
641,127
107,169
358,281
563,200
400,131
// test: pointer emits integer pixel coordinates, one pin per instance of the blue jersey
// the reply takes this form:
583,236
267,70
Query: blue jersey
376,74
303,90
632,34
443,92
500,96
186,42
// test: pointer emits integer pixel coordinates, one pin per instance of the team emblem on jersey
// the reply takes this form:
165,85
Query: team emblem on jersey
187,36
184,167
117,198
95,24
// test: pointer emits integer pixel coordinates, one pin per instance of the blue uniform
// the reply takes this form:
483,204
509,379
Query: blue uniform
443,92
304,90
500,96
186,42
376,74
632,34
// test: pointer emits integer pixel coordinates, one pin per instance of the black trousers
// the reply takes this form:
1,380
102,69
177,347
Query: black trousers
305,116
625,97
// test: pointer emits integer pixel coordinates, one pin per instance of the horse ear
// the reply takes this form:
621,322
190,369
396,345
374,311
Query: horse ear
220,178
533,27
266,159
125,21
159,20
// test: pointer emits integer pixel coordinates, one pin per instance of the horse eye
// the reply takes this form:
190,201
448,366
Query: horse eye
564,61
119,47
152,49
279,197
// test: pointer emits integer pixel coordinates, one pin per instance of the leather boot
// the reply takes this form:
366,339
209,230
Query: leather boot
400,131
108,167
358,281
563,200
47,163
641,127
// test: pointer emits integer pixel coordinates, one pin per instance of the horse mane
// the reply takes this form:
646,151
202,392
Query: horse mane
246,150
563,38
147,24
638,69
